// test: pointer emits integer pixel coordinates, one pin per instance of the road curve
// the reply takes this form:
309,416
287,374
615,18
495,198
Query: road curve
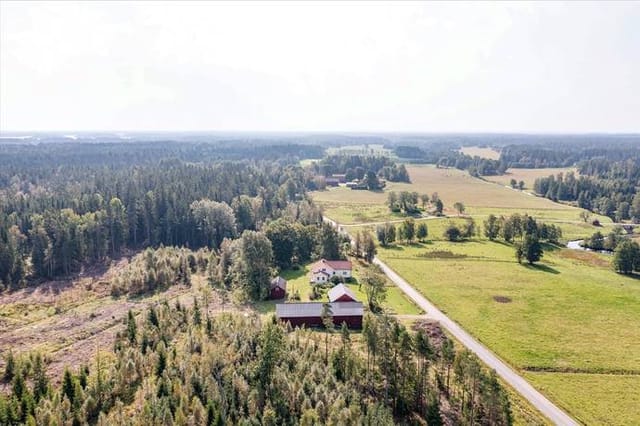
509,375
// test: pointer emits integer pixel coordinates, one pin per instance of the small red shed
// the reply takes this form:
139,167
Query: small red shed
278,288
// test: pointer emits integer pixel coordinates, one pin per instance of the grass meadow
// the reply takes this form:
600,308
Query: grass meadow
480,197
569,314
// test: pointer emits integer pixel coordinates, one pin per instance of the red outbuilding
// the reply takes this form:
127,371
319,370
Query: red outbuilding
278,288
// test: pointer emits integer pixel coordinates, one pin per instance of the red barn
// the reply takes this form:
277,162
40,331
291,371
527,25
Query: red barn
310,313
278,288
341,293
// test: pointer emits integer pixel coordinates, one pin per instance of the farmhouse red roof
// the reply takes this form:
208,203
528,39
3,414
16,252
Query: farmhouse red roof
335,264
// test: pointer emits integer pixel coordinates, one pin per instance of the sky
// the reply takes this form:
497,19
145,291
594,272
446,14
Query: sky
545,67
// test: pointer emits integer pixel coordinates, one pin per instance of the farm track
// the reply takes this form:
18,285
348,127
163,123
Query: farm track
508,374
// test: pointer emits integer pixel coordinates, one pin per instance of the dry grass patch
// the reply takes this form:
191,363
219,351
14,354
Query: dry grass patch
482,152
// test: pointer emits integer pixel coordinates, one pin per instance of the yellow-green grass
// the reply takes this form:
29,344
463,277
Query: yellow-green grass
480,197
528,176
571,314
298,282
563,314
482,152
594,399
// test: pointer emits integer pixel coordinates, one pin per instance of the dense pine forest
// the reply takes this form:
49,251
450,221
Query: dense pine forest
61,208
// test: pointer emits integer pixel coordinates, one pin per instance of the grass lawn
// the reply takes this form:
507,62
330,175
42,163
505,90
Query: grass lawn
570,313
298,280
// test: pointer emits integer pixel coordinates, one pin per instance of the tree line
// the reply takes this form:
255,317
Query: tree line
357,166
51,223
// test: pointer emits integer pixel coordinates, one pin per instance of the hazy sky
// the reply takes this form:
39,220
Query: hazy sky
544,67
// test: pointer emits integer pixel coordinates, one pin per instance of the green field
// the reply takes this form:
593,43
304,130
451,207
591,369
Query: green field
569,314
481,198
594,399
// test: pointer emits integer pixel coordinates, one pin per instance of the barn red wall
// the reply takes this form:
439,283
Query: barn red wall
354,322
277,293
345,298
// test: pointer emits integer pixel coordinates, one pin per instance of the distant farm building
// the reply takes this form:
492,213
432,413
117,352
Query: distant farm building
278,288
341,178
330,181
323,270
310,313
341,293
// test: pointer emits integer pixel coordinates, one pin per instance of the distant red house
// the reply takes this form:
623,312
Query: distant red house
341,293
278,289
310,313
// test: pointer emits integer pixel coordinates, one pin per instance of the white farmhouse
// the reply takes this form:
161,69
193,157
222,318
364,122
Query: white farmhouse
323,270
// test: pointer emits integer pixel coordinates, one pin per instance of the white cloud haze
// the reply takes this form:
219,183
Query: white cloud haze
541,67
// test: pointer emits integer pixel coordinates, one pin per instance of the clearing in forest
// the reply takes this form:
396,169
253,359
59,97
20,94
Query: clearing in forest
482,152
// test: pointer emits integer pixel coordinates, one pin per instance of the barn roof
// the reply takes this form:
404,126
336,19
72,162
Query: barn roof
279,282
314,309
339,291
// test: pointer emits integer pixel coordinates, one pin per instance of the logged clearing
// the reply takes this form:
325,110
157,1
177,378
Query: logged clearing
482,152
570,314
528,176
68,321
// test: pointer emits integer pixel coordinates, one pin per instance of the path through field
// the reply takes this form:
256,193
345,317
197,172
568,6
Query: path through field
509,375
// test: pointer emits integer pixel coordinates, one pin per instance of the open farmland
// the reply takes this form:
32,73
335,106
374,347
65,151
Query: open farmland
528,176
482,152
571,314
481,198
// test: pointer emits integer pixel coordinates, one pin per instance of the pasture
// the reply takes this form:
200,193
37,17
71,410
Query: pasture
481,198
569,314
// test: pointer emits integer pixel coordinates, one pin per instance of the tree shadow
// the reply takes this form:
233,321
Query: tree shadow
542,268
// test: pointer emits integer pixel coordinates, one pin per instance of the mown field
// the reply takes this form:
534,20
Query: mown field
480,198
570,314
